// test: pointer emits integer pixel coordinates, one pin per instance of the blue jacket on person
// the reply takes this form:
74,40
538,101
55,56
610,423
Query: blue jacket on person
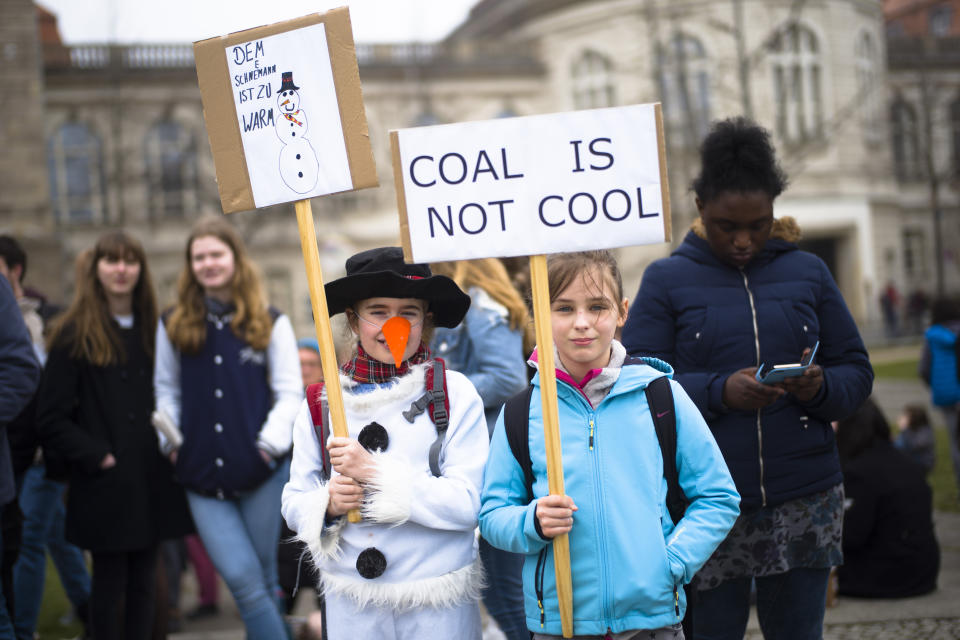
943,374
484,348
709,319
628,560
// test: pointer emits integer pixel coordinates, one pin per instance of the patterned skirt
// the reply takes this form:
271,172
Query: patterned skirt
806,532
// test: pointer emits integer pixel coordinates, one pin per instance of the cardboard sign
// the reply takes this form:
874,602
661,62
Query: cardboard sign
284,112
532,185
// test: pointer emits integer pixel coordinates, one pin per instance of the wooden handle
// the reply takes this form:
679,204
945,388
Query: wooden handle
551,430
321,320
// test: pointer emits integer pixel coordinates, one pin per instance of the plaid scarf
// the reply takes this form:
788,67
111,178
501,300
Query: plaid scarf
363,368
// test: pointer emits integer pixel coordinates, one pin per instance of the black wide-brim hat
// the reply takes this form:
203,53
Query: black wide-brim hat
382,272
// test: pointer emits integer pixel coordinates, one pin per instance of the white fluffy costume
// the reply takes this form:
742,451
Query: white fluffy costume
416,543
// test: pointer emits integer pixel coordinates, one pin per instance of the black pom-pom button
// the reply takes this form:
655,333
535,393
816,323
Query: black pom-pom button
373,437
371,563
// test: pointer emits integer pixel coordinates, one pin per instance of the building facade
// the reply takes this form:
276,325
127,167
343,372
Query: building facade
119,138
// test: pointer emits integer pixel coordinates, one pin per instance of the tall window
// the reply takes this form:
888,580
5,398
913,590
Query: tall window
75,165
592,75
914,253
940,20
685,90
795,59
869,88
906,140
171,170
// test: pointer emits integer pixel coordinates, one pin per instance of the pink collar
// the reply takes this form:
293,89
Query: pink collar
566,377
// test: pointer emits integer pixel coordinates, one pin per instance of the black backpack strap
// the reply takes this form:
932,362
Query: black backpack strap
660,399
516,422
439,412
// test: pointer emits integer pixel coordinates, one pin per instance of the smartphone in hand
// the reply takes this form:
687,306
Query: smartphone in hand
779,372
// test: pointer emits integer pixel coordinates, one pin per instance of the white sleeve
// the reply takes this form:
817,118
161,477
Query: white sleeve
398,492
283,366
305,496
166,380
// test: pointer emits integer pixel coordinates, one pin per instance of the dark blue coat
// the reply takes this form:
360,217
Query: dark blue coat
19,373
709,319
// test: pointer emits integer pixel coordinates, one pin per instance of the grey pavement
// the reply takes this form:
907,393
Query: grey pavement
935,616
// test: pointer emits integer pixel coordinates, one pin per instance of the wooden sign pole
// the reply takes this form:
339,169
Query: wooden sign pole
551,430
321,320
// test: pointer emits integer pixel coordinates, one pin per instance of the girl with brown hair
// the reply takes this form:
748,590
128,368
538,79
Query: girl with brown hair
227,379
93,416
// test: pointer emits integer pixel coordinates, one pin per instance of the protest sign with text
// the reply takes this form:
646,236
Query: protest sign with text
531,185
284,112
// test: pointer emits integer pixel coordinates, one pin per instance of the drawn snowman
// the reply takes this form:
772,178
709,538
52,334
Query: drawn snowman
298,161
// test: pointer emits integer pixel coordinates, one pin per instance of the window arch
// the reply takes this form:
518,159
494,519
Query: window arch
904,127
75,166
171,170
685,89
592,75
797,80
868,85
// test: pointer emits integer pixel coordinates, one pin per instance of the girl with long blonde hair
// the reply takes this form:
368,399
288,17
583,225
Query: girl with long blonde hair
93,417
227,379
489,347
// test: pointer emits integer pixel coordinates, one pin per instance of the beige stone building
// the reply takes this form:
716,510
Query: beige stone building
114,136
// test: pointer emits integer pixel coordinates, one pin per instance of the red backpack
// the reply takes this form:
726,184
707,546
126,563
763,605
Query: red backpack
434,397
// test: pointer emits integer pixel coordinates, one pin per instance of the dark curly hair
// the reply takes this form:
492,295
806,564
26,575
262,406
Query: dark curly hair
737,156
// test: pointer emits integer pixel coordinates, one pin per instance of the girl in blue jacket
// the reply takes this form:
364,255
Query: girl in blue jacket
629,561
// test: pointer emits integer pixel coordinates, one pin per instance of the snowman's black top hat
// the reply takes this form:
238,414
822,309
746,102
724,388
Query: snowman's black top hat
286,82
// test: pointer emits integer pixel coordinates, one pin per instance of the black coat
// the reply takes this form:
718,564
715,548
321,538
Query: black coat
889,547
85,412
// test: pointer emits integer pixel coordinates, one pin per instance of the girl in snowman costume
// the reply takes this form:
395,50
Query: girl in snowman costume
409,569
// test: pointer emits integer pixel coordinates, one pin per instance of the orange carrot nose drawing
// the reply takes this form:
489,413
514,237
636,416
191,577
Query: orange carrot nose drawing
397,331
284,102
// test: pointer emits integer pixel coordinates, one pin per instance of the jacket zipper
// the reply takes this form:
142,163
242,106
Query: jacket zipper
601,538
756,346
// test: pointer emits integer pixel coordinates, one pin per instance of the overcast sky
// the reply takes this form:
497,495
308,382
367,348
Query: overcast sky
126,21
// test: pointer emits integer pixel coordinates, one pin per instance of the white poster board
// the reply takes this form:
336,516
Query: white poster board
289,119
532,185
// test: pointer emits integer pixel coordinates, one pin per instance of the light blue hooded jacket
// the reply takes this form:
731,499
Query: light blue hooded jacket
628,560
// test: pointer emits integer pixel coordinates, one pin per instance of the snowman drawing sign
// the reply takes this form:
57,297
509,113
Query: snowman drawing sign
298,161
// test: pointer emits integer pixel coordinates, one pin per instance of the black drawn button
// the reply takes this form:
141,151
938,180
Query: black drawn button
371,563
373,437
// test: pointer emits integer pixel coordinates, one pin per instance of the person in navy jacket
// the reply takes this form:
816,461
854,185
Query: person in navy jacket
735,294
228,378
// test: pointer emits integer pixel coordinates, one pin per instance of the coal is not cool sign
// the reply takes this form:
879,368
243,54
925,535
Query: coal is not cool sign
532,185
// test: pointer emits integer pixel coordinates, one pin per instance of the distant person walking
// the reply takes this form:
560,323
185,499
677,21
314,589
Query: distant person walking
940,369
93,415
227,377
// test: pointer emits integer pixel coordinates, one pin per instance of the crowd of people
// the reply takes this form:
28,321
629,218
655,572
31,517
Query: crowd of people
143,435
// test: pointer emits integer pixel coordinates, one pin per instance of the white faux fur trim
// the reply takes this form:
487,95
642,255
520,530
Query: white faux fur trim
408,386
387,496
323,543
449,590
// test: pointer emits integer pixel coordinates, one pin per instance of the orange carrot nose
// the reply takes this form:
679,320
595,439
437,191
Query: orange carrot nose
397,331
